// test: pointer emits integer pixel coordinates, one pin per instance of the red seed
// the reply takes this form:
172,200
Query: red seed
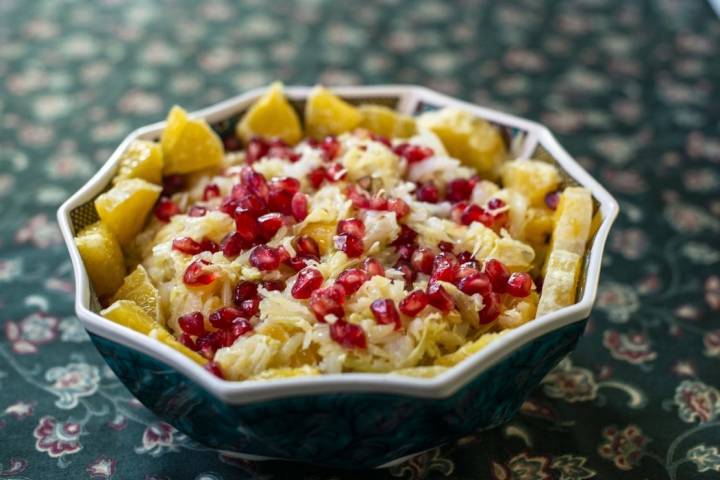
465,257
316,177
475,213
407,236
299,206
498,274
385,312
211,191
491,309
192,323
350,244
246,225
352,279
264,258
351,226
254,204
186,245
552,199
214,368
328,301
223,317
466,269
413,153
475,283
348,334
457,210
330,147
256,149
269,224
445,267
408,273
245,290
308,280
197,211
428,193
255,182
519,284
306,245
378,202
195,274
280,150
165,209
187,340
207,345
287,184
359,198
458,190
414,303
380,138
373,267
233,244
228,206
399,206
282,254
495,204
172,184
446,246
280,201
405,252
239,327
250,307
422,260
273,285
298,262
439,298
335,172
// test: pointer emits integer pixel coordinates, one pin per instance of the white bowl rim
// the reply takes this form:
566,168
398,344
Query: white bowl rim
440,386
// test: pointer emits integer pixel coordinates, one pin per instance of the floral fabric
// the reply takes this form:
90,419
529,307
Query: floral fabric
630,88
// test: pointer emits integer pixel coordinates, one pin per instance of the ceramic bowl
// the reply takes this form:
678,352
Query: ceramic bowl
350,420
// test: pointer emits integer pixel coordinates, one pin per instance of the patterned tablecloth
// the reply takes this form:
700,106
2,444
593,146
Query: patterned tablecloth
631,88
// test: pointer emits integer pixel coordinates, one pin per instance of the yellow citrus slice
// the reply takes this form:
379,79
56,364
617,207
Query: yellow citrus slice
125,207
142,159
386,122
532,178
326,114
102,256
138,288
188,144
560,281
573,218
271,116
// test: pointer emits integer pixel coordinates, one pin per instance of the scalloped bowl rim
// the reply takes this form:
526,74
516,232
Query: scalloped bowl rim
440,386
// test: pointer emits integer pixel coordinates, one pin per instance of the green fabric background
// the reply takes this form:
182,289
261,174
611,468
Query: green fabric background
629,87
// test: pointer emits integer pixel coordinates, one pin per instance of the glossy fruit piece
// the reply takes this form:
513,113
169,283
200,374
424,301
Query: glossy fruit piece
189,145
351,244
385,312
125,207
439,298
192,323
348,334
352,279
271,116
102,257
573,219
138,288
166,209
560,281
328,301
197,274
224,317
326,114
373,267
245,290
497,273
131,315
265,258
470,139
384,121
414,303
519,284
142,159
308,280
533,178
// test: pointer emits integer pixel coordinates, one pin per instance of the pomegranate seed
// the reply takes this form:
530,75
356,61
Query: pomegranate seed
359,198
422,260
407,236
380,138
399,206
385,312
214,368
282,254
299,206
491,309
192,323
439,298
264,258
405,252
475,283
475,213
283,151
413,153
233,244
187,340
458,190
552,199
352,279
246,224
351,226
446,246
250,307
273,285
428,193
195,274
378,202
172,184
186,245
223,317
306,245
166,209
211,191
231,143
414,303
457,210
256,149
239,327
328,301
465,257
519,285
254,204
308,280
466,269
335,172
207,345
269,224
228,206
287,184
409,275
445,267
495,204
245,290
298,262
498,274
316,177
330,147
197,211
373,267
350,244
494,207
255,182
348,334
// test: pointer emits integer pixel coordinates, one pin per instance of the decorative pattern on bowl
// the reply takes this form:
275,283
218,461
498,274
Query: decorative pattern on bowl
353,419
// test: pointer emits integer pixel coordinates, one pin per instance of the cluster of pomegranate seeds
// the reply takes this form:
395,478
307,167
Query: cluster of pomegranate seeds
192,323
348,334
385,312
196,274
428,192
223,317
349,237
328,301
414,302
191,247
165,209
413,153
259,148
211,191
308,280
458,190
362,199
475,283
246,298
230,323
498,274
329,146
493,216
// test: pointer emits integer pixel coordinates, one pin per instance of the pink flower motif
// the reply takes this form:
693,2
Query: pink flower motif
34,330
712,292
101,467
20,409
16,465
39,231
118,423
697,401
631,243
57,439
158,438
625,181
712,343
690,219
624,447
632,348
618,300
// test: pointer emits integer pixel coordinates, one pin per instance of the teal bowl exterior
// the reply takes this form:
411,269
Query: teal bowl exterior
340,430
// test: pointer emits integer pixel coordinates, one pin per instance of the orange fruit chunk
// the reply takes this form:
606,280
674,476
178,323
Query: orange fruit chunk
102,256
142,159
271,116
326,114
188,144
125,207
